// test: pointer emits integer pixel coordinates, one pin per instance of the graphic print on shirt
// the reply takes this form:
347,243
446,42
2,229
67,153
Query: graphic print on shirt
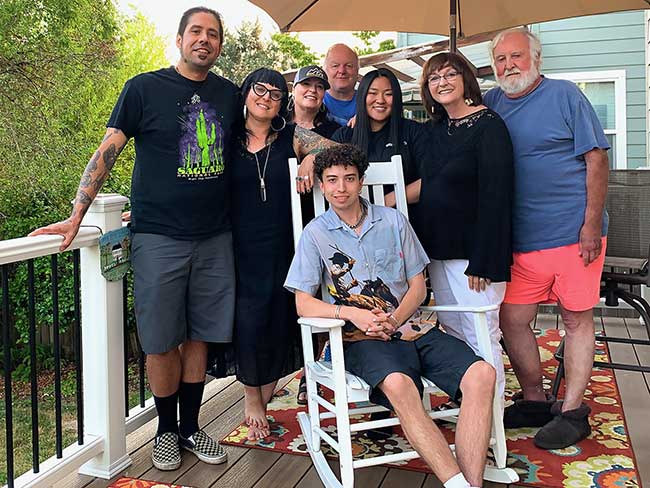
370,294
201,144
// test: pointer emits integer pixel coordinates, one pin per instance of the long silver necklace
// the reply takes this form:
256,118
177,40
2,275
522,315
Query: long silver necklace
261,173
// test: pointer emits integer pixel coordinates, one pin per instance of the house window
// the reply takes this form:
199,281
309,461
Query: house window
606,92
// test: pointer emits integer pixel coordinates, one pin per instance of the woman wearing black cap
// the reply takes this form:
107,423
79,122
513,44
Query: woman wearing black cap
306,107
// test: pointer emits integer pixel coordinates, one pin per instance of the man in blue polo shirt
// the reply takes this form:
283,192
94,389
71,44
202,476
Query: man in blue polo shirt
372,263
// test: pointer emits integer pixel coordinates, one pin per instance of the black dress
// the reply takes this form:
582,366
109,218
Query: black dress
466,194
266,334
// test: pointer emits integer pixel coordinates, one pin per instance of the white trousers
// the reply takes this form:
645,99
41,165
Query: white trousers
450,287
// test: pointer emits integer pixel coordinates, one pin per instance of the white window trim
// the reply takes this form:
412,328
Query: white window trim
620,102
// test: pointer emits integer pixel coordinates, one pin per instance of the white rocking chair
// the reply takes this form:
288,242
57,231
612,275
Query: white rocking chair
348,388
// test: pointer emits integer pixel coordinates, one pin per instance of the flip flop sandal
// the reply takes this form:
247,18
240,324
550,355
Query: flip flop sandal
301,397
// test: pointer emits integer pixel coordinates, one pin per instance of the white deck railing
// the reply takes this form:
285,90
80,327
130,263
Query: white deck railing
103,453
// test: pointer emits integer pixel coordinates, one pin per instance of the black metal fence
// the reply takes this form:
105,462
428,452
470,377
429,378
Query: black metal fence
63,326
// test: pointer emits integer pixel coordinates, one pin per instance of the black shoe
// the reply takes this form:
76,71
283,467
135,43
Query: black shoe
204,447
166,455
528,413
566,428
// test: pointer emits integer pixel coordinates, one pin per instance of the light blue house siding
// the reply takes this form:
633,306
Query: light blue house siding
604,43
598,44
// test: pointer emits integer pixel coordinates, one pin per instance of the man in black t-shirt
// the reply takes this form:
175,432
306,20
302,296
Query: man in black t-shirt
181,119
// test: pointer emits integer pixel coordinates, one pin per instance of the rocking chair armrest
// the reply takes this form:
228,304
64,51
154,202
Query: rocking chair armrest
459,308
321,323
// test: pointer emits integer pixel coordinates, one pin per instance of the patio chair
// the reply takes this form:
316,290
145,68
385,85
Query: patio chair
628,248
350,389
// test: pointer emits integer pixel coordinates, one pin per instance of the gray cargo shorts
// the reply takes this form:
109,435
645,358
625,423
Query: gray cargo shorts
183,290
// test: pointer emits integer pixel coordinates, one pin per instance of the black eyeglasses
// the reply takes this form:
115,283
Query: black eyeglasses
450,77
260,90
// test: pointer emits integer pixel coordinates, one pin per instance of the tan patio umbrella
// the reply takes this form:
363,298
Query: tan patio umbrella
431,16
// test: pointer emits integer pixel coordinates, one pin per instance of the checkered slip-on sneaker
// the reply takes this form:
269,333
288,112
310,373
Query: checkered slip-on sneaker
166,455
204,447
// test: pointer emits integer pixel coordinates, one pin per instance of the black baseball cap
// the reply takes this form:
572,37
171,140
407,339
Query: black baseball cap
311,71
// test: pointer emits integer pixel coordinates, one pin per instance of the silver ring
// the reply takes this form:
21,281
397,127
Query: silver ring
305,178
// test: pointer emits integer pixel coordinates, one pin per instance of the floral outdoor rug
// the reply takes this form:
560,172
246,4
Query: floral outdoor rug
604,460
136,483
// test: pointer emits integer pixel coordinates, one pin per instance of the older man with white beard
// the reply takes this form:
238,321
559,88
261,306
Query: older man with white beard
559,231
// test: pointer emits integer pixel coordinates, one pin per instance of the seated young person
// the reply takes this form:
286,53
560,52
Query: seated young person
372,262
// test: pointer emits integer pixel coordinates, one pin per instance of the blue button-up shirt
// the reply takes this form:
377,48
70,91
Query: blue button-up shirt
369,270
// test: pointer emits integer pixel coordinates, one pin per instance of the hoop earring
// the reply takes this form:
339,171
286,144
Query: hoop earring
284,124
322,108
245,112
291,104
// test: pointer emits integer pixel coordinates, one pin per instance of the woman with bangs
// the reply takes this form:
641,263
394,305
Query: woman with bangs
266,334
380,129
464,215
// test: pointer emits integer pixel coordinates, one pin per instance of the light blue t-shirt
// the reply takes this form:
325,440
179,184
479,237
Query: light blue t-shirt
340,111
370,270
551,128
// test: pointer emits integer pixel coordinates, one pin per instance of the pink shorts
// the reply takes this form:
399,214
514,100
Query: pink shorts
556,275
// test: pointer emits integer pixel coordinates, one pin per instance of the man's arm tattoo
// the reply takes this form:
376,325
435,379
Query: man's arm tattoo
94,176
83,197
110,133
309,142
86,178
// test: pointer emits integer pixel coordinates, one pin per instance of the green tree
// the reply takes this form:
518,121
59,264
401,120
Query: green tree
62,65
244,50
294,53
368,37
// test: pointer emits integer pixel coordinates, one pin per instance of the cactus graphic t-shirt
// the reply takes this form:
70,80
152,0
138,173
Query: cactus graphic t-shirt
182,129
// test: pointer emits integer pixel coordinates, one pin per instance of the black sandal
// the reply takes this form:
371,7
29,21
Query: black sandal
302,391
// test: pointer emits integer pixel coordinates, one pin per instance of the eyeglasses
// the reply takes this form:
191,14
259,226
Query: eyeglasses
260,90
449,77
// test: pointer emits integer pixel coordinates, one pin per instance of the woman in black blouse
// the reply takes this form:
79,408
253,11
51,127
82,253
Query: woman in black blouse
464,215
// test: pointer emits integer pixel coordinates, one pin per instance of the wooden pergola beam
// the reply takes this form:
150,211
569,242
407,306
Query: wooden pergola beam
400,76
421,49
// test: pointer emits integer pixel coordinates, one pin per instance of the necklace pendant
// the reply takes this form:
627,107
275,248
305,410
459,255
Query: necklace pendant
262,190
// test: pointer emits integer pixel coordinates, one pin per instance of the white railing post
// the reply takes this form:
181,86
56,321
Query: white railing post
103,347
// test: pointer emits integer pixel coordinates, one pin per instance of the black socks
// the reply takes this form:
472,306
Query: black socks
166,407
189,398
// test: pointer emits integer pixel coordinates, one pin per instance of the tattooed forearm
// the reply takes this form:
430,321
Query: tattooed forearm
309,142
83,198
97,171
110,156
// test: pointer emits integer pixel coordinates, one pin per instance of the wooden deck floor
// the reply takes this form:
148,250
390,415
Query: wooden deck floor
223,410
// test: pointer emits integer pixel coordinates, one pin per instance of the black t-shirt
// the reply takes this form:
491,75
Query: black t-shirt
414,148
182,130
466,195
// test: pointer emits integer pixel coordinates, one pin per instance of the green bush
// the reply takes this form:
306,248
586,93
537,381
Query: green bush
62,66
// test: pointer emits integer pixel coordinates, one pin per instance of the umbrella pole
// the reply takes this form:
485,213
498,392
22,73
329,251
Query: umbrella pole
452,25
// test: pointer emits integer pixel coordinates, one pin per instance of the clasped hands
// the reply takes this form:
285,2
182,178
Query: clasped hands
374,323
